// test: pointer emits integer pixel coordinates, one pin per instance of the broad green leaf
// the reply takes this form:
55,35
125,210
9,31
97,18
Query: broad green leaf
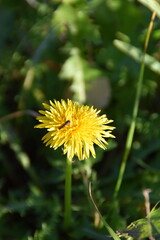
69,19
78,71
152,5
140,229
137,55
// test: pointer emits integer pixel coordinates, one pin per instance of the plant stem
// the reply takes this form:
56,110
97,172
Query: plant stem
67,200
134,114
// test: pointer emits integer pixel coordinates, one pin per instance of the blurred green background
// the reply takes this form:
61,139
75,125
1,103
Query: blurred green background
52,49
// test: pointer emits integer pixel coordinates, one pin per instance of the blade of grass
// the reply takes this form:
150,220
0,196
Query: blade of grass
109,229
18,114
153,5
138,55
134,114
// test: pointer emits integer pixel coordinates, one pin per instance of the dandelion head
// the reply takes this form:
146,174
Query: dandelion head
77,128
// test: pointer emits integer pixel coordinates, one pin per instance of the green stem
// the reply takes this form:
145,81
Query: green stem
134,115
67,200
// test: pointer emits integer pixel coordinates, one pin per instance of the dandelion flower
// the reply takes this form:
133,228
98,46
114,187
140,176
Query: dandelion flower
77,128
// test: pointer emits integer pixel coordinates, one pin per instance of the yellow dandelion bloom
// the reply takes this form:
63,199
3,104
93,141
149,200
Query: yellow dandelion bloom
75,127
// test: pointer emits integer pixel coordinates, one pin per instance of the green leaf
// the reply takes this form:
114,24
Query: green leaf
137,55
152,5
74,22
140,228
77,69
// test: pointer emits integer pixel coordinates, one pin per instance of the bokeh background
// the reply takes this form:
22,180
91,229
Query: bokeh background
52,49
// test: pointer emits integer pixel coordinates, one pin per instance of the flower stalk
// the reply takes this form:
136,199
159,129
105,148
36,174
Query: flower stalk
67,197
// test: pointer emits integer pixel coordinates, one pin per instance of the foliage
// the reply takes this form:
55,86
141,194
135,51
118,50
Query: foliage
89,51
139,229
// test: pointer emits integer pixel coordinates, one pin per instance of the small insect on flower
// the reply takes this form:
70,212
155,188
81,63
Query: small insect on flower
64,124
82,129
